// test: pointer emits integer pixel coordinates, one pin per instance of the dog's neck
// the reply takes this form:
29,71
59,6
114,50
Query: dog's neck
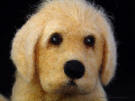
61,97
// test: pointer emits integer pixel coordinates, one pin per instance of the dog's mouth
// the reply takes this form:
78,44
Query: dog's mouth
71,88
68,88
71,83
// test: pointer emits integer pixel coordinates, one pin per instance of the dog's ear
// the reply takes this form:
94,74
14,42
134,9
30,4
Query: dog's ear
23,46
109,54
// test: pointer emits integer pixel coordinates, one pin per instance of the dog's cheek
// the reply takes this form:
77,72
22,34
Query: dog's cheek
86,85
50,69
88,82
51,82
51,77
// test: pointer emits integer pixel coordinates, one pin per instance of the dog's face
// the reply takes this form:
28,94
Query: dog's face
67,43
70,58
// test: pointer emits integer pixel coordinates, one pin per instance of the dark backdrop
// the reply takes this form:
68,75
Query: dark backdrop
13,14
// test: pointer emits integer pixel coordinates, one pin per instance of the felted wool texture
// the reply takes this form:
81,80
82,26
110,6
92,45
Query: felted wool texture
40,75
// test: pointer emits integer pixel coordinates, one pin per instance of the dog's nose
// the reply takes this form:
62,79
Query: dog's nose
74,69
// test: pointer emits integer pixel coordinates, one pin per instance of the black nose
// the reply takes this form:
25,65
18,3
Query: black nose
74,69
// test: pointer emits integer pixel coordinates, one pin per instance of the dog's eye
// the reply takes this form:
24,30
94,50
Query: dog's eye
89,40
56,39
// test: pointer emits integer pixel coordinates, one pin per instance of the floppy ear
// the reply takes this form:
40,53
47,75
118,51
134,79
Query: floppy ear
23,47
109,55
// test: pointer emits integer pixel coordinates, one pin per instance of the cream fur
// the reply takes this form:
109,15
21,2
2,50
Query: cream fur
3,98
39,65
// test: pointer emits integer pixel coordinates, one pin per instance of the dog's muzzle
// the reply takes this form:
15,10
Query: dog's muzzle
74,69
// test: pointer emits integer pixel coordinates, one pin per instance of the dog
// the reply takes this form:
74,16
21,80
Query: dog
66,51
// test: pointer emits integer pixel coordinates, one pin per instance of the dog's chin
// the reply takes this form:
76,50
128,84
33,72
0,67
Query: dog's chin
71,89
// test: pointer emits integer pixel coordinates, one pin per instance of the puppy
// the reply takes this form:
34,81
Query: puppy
65,52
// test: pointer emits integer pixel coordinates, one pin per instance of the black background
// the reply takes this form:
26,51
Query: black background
13,14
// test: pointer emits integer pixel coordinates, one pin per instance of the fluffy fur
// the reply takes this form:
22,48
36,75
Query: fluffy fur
40,76
3,98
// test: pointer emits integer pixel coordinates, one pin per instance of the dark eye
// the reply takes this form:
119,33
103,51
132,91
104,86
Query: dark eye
89,40
56,39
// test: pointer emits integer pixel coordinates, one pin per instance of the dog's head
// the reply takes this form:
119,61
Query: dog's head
70,44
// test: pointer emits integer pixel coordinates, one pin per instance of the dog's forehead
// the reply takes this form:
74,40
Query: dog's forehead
70,27
71,18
